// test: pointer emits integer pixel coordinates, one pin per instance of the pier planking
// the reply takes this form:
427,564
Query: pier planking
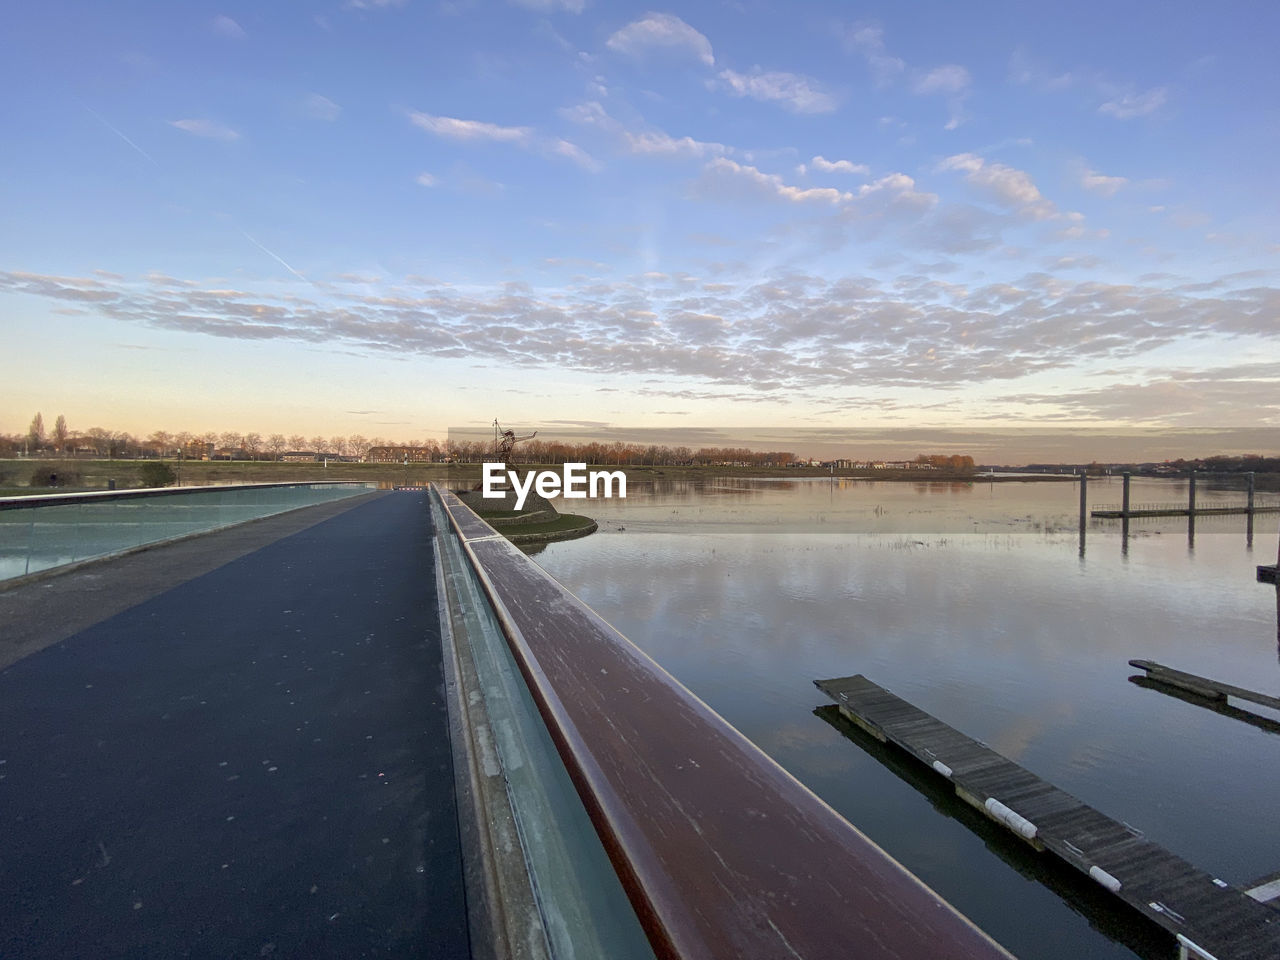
1164,888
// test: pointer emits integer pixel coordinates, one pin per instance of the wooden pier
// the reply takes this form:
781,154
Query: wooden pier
1209,917
1212,689
1173,510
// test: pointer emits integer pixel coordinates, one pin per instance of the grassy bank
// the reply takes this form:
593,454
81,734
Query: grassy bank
16,475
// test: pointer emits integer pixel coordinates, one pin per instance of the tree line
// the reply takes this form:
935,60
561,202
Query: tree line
161,444
102,443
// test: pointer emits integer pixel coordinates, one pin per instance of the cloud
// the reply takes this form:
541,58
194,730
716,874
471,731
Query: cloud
867,39
661,31
427,179
571,151
452,128
1209,397
1126,106
551,6
322,108
782,332
723,170
372,4
645,142
950,79
224,26
206,128
795,92
1008,186
839,166
1097,183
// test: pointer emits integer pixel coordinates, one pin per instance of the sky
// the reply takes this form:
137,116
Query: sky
393,217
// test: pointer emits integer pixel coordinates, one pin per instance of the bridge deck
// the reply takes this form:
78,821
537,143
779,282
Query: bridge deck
1161,886
253,761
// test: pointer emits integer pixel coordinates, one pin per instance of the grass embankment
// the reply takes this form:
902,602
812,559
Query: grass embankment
16,475
566,526
538,526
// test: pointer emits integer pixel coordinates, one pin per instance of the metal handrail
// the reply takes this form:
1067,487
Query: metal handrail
722,853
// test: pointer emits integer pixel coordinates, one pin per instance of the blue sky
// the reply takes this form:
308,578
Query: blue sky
395,217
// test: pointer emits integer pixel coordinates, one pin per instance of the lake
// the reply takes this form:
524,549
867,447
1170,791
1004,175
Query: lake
976,603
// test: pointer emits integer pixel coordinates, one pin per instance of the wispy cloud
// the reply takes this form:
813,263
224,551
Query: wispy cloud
571,151
224,26
1119,99
321,108
641,142
451,128
797,93
867,39
480,131
1126,106
427,179
951,82
1007,186
824,165
723,169
206,128
551,6
661,31
1100,184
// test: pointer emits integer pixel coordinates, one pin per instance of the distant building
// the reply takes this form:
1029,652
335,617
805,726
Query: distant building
299,456
399,455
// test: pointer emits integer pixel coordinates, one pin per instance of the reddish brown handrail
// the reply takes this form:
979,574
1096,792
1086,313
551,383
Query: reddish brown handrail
722,852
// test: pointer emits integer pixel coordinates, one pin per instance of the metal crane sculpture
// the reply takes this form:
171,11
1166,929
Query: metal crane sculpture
504,442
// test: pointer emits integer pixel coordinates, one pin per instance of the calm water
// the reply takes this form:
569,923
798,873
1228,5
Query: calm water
975,603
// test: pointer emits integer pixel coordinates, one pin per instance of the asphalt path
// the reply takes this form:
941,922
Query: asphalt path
251,763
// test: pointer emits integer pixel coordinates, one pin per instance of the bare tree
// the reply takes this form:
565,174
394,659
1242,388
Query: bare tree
35,433
60,433
358,445
231,441
277,444
338,445
252,444
161,441
320,444
297,442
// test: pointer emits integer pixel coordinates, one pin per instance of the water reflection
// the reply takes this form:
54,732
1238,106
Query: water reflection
970,601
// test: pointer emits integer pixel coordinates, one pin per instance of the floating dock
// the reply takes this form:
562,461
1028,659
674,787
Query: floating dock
1269,574
1117,513
1203,686
1208,916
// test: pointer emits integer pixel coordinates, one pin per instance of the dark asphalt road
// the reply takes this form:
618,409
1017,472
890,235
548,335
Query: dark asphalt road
253,763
